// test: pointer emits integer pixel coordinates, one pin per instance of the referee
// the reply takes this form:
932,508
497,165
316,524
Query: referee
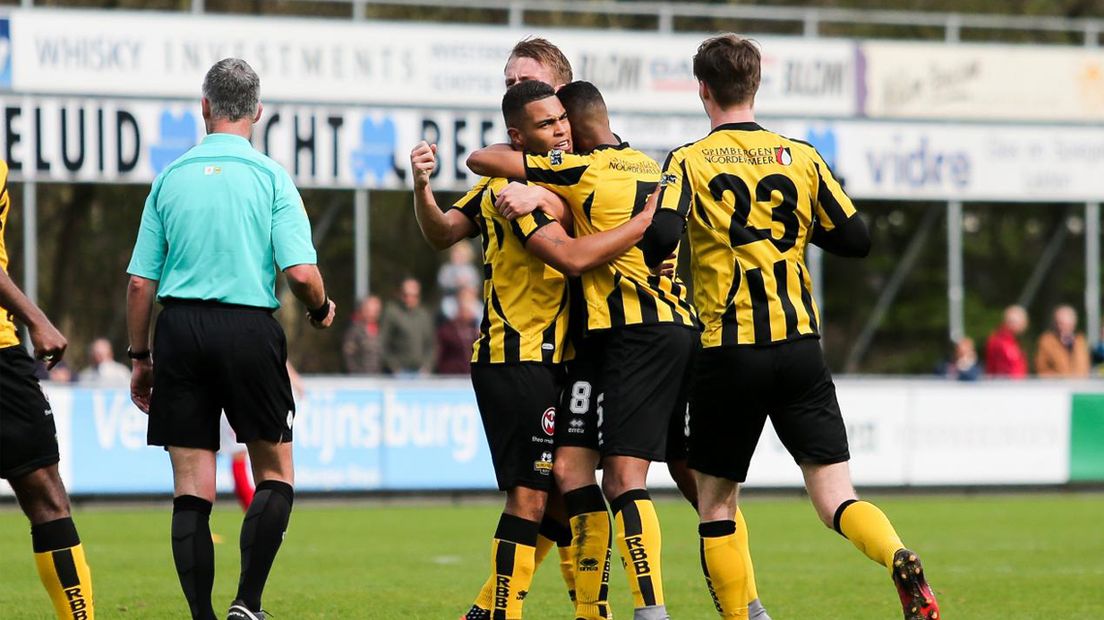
217,224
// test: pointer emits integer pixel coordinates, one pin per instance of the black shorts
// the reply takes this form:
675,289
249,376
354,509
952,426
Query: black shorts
28,437
210,358
736,388
518,405
583,402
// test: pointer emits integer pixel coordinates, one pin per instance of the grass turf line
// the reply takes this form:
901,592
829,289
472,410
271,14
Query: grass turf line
989,557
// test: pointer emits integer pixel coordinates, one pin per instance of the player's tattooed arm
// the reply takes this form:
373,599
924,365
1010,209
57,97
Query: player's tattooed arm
440,228
517,199
575,256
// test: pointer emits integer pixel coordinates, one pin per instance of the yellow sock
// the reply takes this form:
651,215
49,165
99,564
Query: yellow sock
724,565
63,570
869,530
567,569
745,549
553,532
590,541
639,542
513,555
485,598
544,546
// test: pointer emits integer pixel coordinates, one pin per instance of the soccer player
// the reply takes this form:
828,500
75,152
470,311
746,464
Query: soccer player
217,223
752,200
515,362
537,59
28,443
642,336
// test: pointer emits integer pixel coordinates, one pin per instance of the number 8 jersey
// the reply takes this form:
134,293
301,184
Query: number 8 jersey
751,199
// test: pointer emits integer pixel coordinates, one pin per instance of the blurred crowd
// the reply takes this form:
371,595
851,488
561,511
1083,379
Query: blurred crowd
405,336
1060,351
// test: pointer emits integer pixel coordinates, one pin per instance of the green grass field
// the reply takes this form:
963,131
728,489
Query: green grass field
988,557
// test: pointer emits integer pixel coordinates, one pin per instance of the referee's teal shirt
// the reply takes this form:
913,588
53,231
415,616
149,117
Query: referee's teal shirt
217,224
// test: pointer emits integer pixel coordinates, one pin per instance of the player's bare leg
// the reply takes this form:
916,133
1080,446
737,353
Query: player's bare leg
193,549
870,531
59,554
624,482
591,529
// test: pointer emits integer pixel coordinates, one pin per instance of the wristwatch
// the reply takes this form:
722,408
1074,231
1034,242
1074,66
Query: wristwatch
138,355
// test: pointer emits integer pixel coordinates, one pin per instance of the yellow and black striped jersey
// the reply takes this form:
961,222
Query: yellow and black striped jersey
525,315
604,189
752,198
8,335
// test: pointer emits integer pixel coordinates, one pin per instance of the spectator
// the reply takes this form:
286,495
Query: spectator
962,364
360,346
1062,352
1098,352
456,336
60,373
458,273
104,368
406,333
1003,355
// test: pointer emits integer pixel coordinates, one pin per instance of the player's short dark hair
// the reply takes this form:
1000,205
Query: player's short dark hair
731,67
581,98
522,94
232,89
547,54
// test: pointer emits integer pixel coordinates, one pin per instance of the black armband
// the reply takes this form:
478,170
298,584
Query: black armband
320,313
662,237
850,239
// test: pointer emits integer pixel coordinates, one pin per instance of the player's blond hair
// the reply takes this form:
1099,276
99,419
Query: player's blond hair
547,54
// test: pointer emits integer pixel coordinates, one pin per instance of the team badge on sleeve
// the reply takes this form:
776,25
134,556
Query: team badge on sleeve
556,157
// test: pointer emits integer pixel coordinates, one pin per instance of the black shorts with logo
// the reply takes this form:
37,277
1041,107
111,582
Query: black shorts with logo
736,388
210,358
626,392
517,403
28,437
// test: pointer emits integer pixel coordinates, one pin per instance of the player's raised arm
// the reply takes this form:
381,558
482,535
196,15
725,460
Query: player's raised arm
546,239
498,160
440,228
837,226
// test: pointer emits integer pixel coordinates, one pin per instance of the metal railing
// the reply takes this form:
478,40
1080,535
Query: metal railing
666,16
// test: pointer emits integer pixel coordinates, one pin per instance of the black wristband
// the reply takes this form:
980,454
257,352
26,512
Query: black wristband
138,355
320,313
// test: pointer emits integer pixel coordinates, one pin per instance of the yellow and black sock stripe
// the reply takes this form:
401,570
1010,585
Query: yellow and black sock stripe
513,556
62,568
639,542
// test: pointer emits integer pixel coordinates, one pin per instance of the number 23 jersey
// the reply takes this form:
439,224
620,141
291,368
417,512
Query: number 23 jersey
751,199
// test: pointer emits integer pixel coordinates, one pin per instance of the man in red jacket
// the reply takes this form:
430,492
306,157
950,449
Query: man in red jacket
1003,355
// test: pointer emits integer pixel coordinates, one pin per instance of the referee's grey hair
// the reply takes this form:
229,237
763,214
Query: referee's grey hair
233,89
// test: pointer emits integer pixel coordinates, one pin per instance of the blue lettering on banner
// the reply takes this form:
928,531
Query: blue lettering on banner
5,54
178,133
918,166
376,153
393,438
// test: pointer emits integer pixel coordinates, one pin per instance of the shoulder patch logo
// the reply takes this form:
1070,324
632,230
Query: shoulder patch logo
556,156
783,156
667,179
